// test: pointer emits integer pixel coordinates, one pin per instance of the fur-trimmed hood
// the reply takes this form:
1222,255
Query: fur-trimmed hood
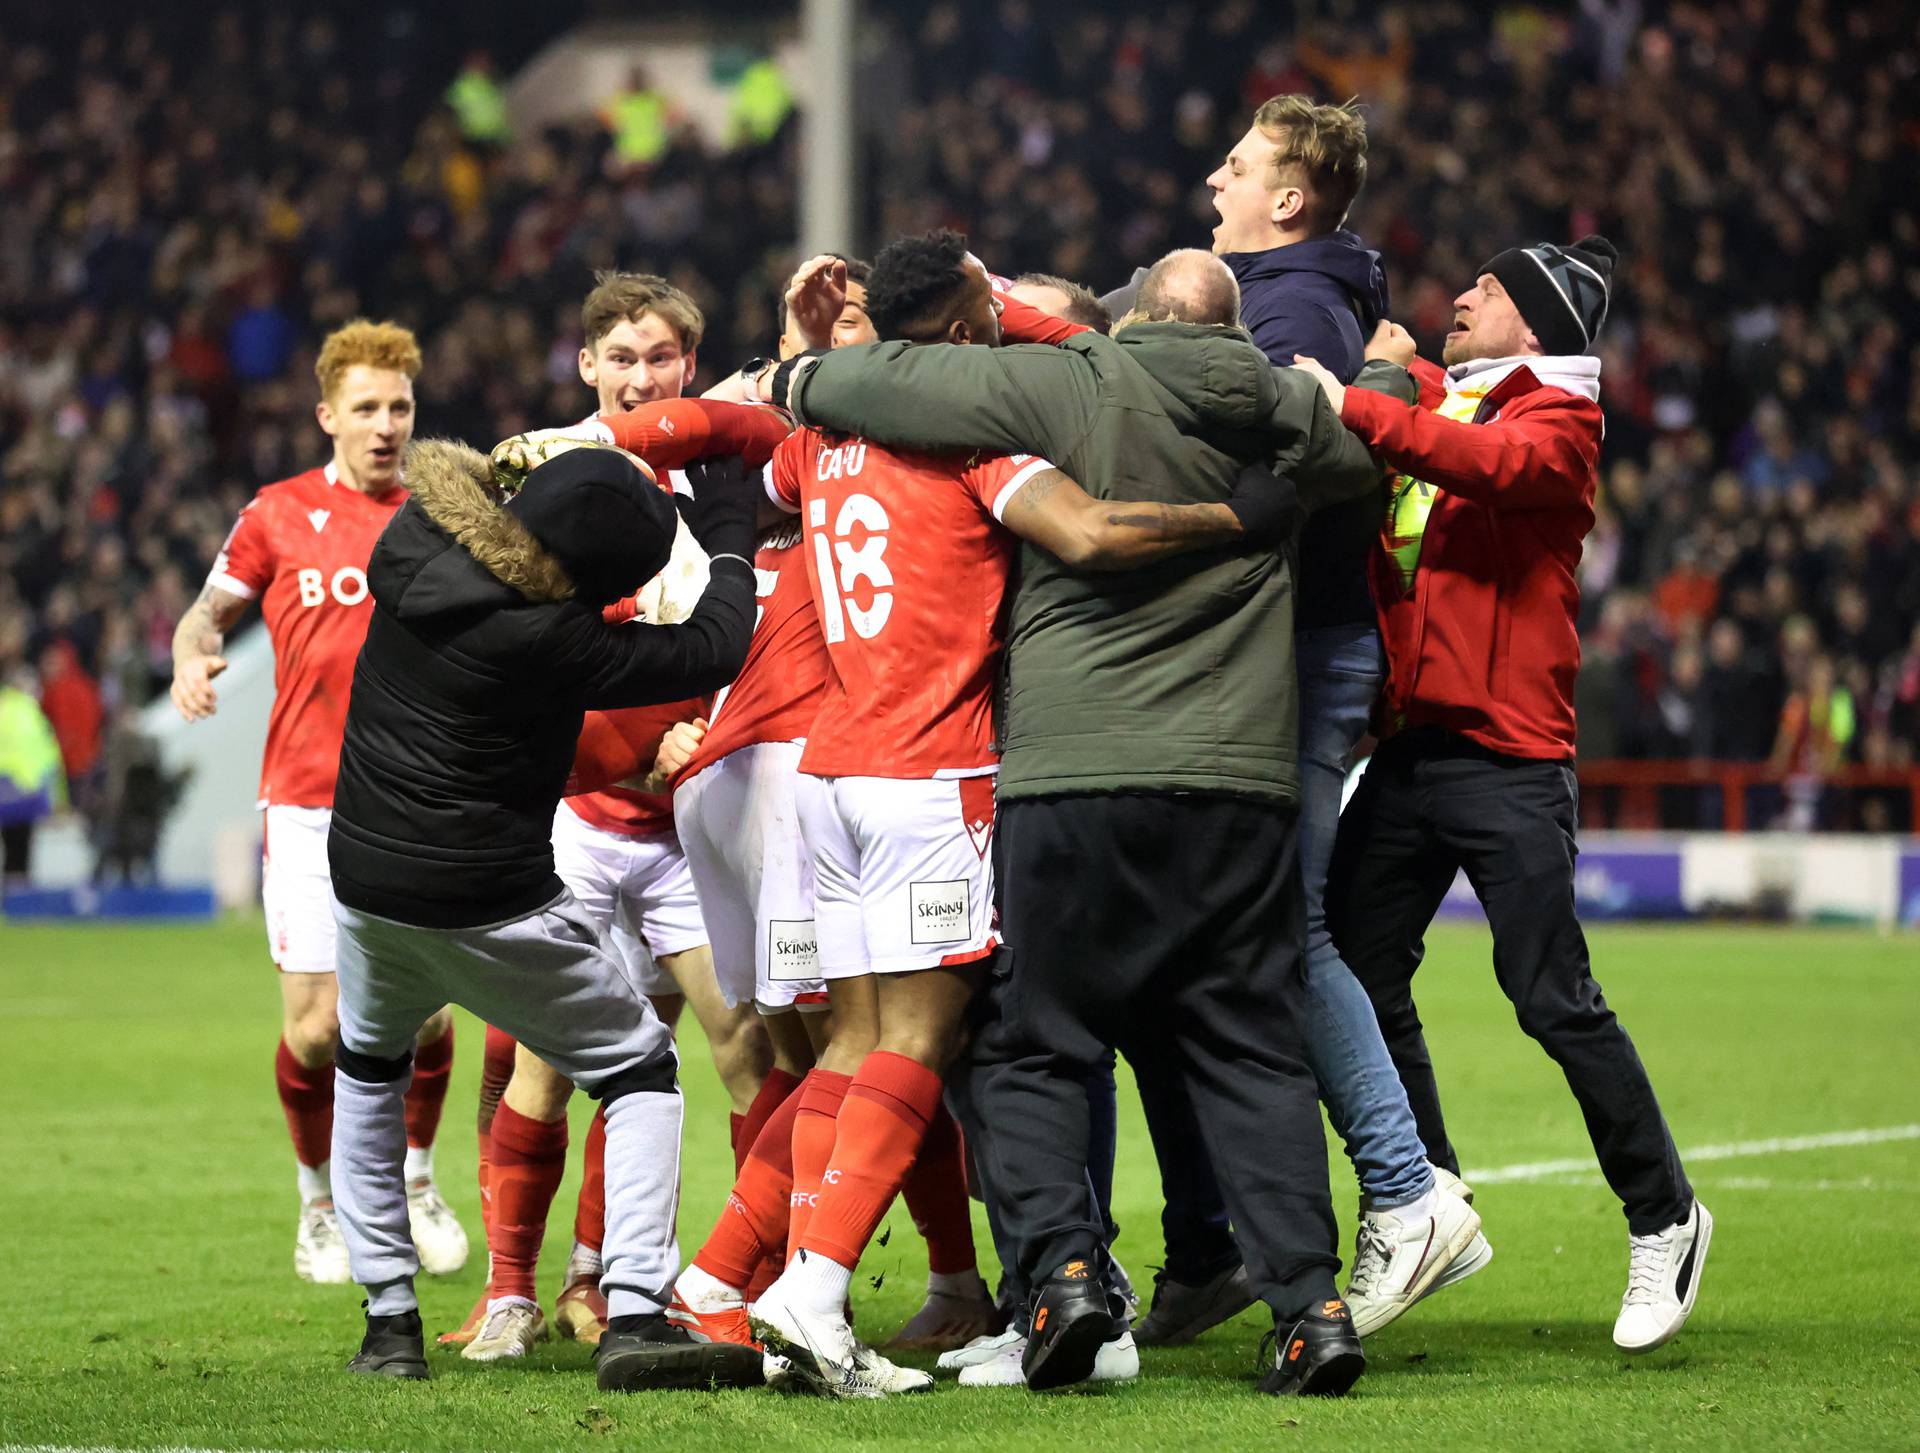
454,485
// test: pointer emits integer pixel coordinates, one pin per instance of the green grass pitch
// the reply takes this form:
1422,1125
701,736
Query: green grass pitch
147,1297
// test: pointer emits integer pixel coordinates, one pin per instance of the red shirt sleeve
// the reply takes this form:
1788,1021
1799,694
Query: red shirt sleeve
1023,323
671,433
245,563
783,474
1540,454
993,482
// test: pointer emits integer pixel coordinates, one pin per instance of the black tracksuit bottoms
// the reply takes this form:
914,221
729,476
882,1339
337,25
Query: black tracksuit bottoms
1170,920
1432,802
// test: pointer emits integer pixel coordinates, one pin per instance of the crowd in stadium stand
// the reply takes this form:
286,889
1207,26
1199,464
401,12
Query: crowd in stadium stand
181,221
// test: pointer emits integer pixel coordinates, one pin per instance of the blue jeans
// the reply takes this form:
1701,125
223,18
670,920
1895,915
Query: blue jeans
1341,668
1340,671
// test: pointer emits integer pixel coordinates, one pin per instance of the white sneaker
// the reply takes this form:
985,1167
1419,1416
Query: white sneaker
821,1354
510,1330
319,1252
1663,1278
1116,1361
437,1234
1399,1254
1451,1183
981,1349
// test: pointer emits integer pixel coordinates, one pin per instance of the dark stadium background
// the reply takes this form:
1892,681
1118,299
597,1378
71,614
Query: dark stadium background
191,196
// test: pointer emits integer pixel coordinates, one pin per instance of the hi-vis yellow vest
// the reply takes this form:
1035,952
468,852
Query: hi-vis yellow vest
1412,499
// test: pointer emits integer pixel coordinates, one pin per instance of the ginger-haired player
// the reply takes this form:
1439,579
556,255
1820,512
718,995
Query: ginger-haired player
300,549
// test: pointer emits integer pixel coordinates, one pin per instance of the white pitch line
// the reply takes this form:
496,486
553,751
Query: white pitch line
1733,1150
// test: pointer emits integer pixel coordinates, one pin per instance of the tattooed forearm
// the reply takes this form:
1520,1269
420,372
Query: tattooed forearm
1134,534
202,629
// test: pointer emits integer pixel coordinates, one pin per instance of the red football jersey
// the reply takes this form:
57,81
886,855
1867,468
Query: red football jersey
300,548
909,564
778,690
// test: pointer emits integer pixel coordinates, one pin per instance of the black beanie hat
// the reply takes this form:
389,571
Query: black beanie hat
1562,292
608,524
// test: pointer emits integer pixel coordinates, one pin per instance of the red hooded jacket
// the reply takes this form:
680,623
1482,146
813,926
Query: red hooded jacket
1483,643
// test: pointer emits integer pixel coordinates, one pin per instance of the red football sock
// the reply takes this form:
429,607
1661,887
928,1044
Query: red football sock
496,1068
529,1157
819,1096
590,1217
774,1090
882,1124
307,1097
936,1196
753,1223
432,1068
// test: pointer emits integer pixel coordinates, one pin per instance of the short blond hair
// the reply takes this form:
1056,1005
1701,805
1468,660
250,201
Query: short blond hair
1321,149
624,297
377,345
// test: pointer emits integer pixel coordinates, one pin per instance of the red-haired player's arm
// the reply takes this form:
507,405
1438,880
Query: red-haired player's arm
672,433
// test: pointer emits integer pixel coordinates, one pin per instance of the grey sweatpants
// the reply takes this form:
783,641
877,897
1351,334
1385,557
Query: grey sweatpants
551,981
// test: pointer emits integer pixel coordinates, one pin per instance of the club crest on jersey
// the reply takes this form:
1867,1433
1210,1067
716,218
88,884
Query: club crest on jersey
318,519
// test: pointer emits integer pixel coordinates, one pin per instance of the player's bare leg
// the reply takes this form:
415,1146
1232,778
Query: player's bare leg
529,1158
735,1037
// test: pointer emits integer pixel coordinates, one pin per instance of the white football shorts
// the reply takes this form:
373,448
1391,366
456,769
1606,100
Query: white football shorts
637,889
296,889
741,831
902,871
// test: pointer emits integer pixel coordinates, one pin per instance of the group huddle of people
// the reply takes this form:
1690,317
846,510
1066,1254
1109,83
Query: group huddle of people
940,708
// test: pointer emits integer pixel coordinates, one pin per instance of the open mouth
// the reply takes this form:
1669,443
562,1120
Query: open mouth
383,454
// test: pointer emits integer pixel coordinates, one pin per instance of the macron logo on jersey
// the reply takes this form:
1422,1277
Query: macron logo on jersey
318,519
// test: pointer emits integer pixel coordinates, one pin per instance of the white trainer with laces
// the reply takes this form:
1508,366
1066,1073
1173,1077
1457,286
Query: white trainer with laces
1400,1254
982,1349
817,1352
510,1329
319,1251
437,1234
1663,1278
1116,1361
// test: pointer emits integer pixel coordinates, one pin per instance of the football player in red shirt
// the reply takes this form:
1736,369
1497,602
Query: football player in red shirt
908,557
617,851
300,549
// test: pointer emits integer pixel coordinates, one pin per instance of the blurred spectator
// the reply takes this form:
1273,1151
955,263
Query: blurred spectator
478,103
189,207
32,786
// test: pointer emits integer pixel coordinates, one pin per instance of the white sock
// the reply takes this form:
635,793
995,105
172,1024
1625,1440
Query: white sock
584,1261
419,1163
494,1304
818,1283
962,1284
1420,1207
315,1183
705,1292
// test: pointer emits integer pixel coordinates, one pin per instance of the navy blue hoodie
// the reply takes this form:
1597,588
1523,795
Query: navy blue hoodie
1321,298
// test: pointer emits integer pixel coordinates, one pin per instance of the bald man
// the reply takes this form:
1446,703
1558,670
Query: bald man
1150,885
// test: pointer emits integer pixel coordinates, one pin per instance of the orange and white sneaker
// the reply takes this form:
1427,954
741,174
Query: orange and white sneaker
463,1334
709,1310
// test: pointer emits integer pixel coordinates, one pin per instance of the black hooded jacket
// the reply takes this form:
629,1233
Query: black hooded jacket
1321,298
480,659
